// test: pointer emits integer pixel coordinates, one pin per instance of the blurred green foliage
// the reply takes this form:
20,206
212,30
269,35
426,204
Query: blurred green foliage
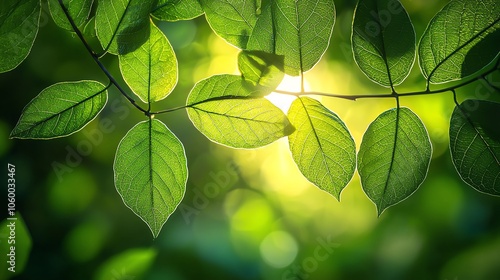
247,214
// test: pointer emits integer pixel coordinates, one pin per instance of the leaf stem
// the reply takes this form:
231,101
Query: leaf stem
96,57
393,94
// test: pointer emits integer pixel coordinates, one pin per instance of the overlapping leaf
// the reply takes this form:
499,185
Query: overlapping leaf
123,25
151,172
460,40
475,144
261,68
151,69
233,20
383,41
19,22
229,111
321,145
61,110
394,157
79,10
299,30
174,10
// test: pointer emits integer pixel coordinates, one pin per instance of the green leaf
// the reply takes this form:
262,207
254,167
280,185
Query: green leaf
475,144
233,20
22,245
123,25
151,172
60,110
229,111
394,157
299,30
19,22
383,41
460,40
261,68
78,9
151,70
174,10
131,264
321,146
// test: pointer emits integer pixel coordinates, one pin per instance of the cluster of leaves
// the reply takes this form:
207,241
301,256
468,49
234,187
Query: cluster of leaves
275,37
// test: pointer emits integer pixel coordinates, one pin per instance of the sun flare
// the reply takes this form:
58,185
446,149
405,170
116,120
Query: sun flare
284,101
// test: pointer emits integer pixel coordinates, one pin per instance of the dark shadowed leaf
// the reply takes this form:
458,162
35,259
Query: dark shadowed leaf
123,25
151,69
60,110
233,20
151,172
79,11
383,41
19,22
475,144
299,30
460,40
261,68
174,10
321,146
394,157
228,110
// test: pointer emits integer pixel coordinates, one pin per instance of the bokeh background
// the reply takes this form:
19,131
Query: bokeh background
247,214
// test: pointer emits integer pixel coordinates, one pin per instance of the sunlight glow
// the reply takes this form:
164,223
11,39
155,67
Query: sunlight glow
291,84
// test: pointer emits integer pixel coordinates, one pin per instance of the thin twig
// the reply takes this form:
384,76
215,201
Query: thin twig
95,57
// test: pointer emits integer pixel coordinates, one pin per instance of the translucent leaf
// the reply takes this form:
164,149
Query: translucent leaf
151,172
394,157
228,110
22,245
233,20
475,144
261,68
174,10
60,110
151,70
123,25
383,41
78,9
321,145
460,40
19,22
299,30
131,264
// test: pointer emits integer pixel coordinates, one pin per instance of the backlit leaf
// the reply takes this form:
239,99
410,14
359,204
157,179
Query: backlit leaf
475,144
233,20
321,145
174,10
460,40
228,110
383,41
394,157
298,29
79,11
123,25
151,172
151,70
19,22
60,110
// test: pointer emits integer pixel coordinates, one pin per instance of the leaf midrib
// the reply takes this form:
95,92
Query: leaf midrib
461,47
36,124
